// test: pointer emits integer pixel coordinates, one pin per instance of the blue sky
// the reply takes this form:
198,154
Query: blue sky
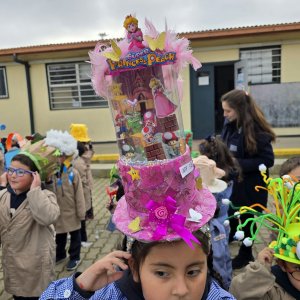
37,22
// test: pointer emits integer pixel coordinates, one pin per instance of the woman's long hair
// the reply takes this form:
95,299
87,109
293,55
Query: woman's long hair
249,117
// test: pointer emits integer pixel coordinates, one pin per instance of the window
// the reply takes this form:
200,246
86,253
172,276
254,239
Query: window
3,83
263,64
70,86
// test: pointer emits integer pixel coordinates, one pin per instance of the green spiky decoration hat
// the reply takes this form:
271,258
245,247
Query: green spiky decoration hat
285,221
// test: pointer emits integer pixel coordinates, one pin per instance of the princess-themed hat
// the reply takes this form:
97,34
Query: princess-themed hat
284,220
210,174
80,132
139,76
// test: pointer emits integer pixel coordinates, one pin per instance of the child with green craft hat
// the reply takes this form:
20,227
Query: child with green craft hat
262,279
27,214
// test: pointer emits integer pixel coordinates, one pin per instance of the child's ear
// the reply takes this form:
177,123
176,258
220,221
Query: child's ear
281,264
135,274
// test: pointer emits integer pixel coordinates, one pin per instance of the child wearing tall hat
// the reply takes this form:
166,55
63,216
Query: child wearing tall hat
163,213
80,133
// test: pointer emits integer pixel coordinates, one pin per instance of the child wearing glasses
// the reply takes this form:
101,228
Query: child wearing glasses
27,213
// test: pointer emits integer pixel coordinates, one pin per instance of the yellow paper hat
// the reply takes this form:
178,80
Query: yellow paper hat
80,132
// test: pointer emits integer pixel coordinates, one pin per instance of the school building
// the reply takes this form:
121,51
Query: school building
48,86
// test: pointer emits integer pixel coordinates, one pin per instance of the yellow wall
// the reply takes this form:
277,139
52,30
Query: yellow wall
14,112
207,56
98,120
290,63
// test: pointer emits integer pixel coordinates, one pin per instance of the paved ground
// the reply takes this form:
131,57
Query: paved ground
105,241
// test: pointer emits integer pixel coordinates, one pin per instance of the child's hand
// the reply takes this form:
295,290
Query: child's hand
265,256
103,271
3,179
36,180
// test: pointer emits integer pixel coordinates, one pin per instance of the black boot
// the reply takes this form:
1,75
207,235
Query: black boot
243,258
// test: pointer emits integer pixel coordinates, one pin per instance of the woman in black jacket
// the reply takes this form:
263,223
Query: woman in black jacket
248,136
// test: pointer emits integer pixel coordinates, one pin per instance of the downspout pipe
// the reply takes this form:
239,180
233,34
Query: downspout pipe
29,91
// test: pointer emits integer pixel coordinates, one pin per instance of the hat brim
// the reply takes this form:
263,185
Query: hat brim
205,204
288,259
217,186
84,140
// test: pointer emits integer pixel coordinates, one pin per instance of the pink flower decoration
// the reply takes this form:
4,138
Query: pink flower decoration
163,216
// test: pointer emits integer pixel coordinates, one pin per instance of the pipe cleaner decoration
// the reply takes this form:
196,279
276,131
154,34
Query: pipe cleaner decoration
285,221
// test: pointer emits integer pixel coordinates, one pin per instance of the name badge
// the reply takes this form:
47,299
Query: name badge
186,169
233,148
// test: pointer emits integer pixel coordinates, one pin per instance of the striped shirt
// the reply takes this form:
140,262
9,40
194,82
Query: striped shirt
64,289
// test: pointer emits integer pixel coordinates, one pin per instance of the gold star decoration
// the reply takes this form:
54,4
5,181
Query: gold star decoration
135,174
134,225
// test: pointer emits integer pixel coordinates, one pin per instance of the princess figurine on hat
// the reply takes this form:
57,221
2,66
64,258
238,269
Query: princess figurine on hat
134,34
163,105
162,213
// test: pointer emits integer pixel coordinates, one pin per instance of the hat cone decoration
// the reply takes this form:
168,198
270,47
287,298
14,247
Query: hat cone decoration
139,76
285,220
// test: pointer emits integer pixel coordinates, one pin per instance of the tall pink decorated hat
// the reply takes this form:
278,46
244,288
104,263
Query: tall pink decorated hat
139,76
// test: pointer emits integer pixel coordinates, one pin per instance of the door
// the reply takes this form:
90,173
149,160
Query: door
224,82
202,101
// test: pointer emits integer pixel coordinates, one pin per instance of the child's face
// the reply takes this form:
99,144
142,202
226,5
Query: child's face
173,271
291,268
22,183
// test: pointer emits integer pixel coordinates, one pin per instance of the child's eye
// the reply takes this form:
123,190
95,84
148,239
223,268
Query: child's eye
194,273
161,274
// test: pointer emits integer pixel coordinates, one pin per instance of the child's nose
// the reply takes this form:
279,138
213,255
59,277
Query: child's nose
180,287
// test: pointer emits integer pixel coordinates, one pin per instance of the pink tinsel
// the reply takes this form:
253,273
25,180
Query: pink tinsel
184,56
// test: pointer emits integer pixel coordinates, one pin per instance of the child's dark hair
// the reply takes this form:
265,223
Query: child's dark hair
289,165
25,160
140,250
214,148
80,148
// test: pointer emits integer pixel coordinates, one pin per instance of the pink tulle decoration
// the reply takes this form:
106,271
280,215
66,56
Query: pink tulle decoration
100,69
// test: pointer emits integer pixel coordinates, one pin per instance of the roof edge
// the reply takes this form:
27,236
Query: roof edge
205,34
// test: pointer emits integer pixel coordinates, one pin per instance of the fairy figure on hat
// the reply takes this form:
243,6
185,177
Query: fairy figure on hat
134,33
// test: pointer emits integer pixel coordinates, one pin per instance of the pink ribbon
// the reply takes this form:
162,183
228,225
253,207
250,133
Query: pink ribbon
163,216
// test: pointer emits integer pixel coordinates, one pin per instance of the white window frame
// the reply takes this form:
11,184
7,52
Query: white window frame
5,94
263,64
74,91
